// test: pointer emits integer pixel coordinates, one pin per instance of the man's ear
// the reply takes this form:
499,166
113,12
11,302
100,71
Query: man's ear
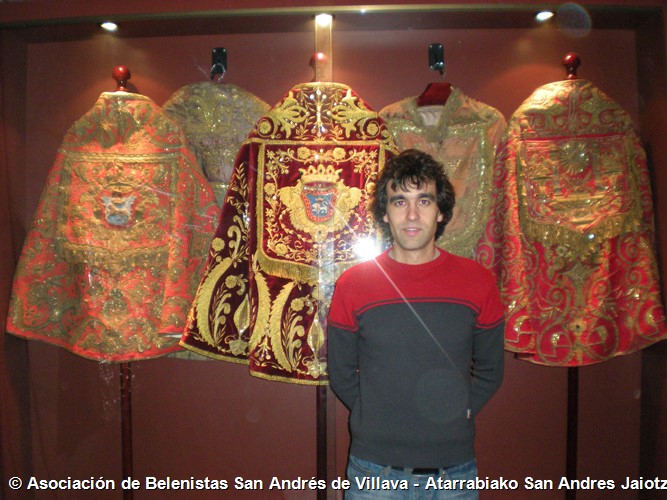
385,218
440,216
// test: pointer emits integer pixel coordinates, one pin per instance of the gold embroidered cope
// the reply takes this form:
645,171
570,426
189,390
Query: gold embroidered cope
571,237
296,207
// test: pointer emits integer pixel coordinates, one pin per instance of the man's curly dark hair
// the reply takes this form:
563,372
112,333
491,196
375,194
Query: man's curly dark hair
413,168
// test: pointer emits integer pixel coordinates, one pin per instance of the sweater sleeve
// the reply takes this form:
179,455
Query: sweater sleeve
488,357
343,364
487,365
343,347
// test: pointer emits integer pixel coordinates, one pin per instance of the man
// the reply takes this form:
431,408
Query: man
415,343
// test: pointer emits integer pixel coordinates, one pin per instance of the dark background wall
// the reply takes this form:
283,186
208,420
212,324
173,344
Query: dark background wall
60,414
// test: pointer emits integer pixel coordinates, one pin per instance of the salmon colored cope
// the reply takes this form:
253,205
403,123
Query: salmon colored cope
111,263
571,237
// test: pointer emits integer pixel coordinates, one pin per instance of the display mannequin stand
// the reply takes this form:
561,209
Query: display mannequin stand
121,74
571,62
322,64
572,428
126,423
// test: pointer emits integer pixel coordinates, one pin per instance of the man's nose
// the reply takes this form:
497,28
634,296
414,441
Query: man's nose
413,211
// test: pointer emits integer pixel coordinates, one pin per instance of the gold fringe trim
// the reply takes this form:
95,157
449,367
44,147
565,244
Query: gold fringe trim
299,272
219,357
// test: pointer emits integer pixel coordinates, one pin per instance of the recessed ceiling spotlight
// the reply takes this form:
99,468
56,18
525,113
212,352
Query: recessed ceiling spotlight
109,26
543,16
323,20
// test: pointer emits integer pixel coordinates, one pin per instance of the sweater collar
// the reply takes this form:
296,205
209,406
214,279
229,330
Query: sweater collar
384,260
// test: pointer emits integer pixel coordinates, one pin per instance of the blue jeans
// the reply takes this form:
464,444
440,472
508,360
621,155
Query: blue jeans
372,481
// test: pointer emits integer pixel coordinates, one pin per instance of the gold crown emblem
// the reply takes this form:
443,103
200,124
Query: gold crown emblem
320,174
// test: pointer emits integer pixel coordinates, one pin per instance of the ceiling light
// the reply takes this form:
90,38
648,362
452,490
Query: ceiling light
323,20
109,26
543,16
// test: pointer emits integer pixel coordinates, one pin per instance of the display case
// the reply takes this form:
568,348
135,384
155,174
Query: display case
62,416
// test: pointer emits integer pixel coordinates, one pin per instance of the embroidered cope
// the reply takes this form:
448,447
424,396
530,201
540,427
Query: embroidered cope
463,135
295,209
112,260
216,119
571,238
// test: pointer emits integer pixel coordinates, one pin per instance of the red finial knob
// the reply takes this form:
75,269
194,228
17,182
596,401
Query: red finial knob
571,61
318,61
121,74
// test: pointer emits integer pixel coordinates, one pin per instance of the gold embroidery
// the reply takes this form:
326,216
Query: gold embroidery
288,116
280,325
211,305
351,115
580,202
117,117
284,223
216,119
321,112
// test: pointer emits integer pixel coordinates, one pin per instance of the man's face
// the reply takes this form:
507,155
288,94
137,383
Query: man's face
413,217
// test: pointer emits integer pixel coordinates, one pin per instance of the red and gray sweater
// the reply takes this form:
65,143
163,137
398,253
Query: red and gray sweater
415,352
